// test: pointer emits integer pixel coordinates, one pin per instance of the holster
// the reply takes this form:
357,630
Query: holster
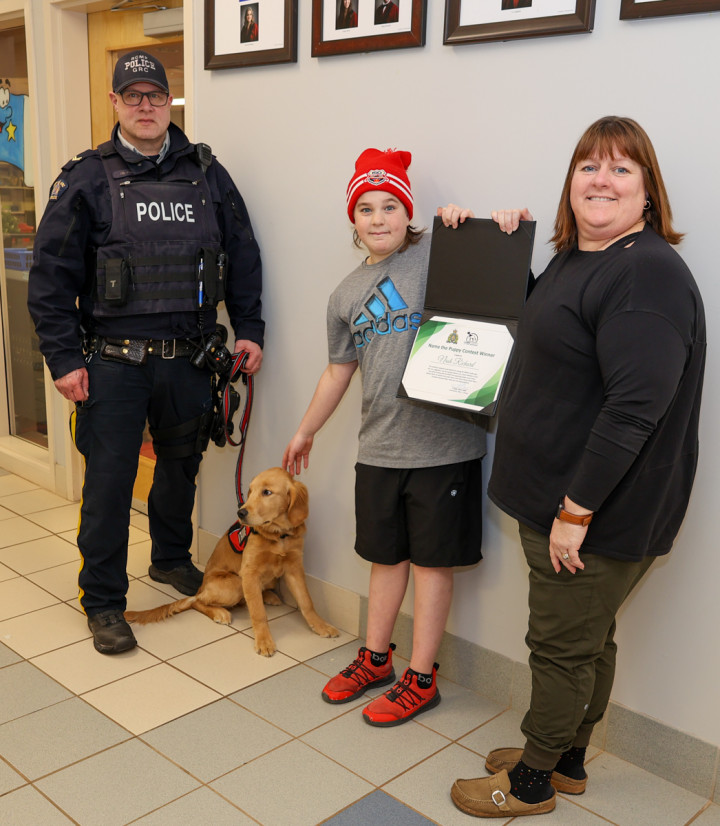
126,351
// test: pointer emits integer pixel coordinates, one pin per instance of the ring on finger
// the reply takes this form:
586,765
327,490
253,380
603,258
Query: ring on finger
566,556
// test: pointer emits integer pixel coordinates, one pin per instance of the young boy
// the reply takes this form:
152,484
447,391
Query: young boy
418,477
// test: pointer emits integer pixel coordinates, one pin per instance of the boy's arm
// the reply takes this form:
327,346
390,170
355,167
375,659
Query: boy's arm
330,389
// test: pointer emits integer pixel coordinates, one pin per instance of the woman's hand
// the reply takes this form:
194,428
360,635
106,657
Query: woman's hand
566,539
509,219
452,215
565,543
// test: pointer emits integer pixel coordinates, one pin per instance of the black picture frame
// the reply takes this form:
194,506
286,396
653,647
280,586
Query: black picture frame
385,38
631,10
223,13
516,27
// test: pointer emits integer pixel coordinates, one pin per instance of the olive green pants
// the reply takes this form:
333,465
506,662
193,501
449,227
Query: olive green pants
572,647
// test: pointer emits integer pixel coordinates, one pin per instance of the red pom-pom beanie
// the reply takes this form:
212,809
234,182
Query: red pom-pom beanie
376,170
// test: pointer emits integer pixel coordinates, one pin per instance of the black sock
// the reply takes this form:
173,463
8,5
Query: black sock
530,785
423,680
378,659
571,763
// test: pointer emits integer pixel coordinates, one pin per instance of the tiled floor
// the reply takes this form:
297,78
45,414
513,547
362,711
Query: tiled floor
194,727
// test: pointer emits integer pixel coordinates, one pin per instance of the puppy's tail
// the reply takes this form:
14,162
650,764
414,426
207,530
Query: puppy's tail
160,613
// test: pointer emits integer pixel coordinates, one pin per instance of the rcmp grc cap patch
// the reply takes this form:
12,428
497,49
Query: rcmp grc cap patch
58,188
377,177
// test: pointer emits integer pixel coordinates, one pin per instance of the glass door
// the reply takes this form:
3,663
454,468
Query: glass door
26,404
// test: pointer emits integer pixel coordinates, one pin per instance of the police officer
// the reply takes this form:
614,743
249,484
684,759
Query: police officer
140,240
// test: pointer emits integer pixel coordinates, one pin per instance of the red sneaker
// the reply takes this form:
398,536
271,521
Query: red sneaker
360,675
405,700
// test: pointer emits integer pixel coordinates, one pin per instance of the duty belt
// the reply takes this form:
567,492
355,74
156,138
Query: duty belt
166,348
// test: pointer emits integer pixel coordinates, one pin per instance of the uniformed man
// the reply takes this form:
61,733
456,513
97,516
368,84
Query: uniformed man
140,240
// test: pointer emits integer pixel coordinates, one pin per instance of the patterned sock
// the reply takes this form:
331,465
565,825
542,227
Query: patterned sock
571,763
530,785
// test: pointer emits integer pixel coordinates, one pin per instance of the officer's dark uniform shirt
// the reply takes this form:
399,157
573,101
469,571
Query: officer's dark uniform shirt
76,222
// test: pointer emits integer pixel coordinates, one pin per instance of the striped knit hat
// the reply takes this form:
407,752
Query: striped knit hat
380,171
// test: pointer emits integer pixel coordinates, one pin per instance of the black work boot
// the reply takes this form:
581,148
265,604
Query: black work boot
111,633
185,578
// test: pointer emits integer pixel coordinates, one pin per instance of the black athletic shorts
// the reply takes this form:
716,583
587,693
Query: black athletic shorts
431,515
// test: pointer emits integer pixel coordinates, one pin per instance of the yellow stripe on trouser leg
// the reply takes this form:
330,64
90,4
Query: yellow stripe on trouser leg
73,425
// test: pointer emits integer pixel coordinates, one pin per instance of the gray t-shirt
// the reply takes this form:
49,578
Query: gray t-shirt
372,317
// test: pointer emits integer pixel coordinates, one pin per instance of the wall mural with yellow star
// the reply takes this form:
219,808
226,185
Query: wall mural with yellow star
12,126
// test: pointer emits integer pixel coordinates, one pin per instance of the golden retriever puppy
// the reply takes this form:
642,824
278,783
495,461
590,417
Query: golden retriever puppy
275,513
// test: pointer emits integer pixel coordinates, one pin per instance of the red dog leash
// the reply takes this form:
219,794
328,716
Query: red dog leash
238,534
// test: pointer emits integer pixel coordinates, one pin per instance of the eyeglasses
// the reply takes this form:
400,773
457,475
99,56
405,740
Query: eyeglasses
131,97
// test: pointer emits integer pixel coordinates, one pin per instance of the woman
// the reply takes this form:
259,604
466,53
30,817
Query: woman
249,31
347,16
596,447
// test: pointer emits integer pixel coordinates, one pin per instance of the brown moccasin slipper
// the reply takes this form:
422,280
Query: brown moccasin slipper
490,797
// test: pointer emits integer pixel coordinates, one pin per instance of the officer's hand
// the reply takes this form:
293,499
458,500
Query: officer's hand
255,355
74,386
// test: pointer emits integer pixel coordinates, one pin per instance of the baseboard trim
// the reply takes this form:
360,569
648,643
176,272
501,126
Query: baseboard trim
687,761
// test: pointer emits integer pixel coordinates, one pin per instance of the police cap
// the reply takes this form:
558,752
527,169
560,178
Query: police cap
136,67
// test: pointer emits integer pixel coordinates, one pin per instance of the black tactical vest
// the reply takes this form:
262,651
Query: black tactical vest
163,251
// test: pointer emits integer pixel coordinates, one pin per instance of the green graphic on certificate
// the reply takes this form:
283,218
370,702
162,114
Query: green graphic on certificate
458,362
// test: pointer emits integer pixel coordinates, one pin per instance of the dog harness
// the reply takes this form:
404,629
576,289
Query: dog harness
238,534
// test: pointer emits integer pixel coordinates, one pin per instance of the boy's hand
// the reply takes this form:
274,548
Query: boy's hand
452,215
297,453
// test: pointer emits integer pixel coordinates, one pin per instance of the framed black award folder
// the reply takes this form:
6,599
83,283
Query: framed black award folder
476,287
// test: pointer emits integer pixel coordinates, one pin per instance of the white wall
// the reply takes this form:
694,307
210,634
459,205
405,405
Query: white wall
489,125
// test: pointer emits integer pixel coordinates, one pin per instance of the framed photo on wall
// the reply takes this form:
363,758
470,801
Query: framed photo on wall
641,9
477,21
348,26
250,33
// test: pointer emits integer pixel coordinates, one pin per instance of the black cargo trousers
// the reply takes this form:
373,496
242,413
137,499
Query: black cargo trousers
107,429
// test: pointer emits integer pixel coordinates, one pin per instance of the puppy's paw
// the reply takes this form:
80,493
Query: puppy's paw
271,598
265,647
325,630
222,616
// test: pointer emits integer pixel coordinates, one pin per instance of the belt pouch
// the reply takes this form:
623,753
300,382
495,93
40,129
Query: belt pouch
126,351
117,279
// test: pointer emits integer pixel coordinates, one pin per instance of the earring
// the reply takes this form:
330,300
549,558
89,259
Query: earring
646,206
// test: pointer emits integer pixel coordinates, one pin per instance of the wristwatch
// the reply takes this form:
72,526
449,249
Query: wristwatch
572,518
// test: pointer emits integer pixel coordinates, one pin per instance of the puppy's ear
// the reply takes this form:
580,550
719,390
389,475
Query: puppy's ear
298,508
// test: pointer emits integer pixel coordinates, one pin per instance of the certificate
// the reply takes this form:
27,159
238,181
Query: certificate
458,362
476,287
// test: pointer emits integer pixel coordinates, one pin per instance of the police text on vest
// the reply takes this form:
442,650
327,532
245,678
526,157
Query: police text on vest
165,212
